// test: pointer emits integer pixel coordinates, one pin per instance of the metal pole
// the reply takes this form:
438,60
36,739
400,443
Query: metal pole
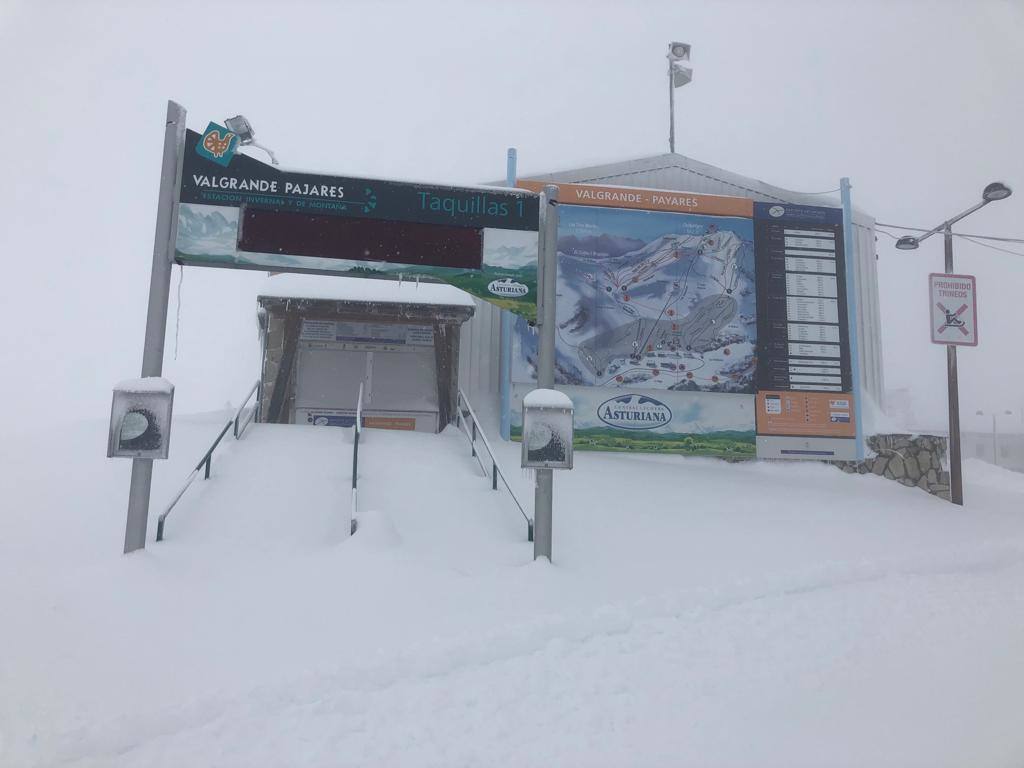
505,346
956,488
546,285
671,111
156,315
547,281
995,456
852,313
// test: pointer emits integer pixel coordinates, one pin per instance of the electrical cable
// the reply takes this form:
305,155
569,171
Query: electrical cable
969,238
993,247
826,192
955,234
177,316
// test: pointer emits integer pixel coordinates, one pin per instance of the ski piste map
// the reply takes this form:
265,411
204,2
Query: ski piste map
656,300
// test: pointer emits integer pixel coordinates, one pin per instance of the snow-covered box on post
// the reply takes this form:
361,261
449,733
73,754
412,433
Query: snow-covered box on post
547,430
140,419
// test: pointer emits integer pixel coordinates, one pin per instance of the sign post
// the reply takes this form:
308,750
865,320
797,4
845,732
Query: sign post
547,265
505,346
954,322
156,315
852,310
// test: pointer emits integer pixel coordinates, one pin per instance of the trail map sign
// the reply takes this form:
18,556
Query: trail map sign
954,309
236,211
699,324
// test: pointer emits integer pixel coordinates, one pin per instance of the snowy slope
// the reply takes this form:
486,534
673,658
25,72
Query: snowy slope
698,613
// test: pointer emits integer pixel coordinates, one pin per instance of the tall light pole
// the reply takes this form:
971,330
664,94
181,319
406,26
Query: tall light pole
995,438
994,191
678,75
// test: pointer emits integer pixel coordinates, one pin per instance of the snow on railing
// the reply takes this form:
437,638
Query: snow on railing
207,460
357,428
252,411
474,431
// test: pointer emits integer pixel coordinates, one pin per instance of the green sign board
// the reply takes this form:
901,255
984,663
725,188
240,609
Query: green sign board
236,211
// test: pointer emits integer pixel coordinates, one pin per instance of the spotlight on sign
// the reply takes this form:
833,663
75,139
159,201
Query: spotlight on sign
547,430
246,135
238,124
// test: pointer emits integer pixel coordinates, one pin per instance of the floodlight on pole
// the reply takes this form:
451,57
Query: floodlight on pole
246,135
679,51
678,76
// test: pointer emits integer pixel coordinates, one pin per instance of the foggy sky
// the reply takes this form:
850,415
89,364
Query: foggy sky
919,103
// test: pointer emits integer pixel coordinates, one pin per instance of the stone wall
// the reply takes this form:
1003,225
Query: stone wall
912,460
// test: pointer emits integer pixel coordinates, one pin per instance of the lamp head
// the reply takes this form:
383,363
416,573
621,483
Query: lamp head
679,51
907,243
996,191
242,127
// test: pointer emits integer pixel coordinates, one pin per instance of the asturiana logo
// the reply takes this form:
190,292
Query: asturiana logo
634,412
506,286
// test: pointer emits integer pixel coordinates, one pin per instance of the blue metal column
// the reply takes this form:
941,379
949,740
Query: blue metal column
852,311
505,347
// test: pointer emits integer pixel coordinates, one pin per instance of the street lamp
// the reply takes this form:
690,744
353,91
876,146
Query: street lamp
995,456
992,192
678,75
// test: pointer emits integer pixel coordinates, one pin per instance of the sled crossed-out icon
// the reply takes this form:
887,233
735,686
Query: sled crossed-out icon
953,319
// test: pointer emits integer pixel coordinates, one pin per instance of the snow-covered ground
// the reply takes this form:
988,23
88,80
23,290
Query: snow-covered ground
697,613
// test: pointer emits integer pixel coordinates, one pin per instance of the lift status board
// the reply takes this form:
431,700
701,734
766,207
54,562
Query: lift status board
805,405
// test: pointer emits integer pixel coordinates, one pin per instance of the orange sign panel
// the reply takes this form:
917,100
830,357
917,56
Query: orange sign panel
814,414
645,199
389,422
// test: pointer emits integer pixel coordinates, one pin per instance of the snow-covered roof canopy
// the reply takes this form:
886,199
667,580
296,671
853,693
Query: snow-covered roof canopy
684,174
358,289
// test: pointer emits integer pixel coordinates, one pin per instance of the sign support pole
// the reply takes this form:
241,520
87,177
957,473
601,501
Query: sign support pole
505,345
671,111
547,265
956,487
852,312
156,315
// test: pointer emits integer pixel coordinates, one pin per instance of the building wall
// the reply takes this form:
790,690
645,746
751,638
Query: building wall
479,356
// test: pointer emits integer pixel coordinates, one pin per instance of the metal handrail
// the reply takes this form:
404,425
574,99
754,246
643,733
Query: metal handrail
496,471
252,411
357,430
206,460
